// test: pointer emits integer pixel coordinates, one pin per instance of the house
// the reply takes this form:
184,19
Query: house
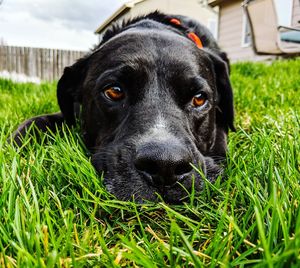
234,35
196,9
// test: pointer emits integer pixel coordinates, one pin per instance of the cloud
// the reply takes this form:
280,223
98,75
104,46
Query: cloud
84,15
40,33
67,24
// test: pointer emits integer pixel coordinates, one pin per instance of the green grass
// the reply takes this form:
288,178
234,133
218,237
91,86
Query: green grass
55,212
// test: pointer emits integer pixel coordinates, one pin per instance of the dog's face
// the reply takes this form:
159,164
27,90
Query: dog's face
152,105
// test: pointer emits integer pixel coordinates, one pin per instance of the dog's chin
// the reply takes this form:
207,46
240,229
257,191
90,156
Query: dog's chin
139,190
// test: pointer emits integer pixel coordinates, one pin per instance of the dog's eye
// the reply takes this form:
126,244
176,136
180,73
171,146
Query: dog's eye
199,100
114,93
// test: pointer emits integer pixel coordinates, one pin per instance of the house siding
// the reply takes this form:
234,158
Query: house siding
190,8
296,13
230,31
231,16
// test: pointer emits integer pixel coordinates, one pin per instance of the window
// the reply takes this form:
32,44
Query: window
246,32
284,10
212,26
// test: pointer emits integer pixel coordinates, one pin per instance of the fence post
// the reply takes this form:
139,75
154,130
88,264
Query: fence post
47,64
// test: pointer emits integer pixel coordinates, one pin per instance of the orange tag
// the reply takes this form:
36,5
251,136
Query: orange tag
195,38
175,21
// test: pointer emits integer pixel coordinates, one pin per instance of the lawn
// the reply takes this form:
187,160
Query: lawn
55,212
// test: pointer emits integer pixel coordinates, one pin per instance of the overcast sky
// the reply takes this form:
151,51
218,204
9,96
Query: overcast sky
65,24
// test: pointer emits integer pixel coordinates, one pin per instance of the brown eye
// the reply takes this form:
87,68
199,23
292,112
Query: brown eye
199,100
114,93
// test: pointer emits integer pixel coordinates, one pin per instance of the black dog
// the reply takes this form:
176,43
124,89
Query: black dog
154,97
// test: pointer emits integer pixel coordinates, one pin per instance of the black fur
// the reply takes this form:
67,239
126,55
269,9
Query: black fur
145,142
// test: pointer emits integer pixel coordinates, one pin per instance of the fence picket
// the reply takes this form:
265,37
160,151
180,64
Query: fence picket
47,64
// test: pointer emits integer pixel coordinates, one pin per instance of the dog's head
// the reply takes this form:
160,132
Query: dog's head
153,103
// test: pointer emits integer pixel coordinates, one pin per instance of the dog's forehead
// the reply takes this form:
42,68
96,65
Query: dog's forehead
152,47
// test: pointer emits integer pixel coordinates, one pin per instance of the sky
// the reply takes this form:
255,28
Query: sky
66,24
62,24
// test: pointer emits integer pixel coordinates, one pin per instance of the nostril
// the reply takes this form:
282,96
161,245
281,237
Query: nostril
163,163
183,168
145,165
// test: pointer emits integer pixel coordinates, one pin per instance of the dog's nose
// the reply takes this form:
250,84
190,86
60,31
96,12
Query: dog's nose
165,163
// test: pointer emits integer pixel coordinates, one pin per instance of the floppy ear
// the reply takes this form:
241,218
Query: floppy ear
225,113
225,58
69,90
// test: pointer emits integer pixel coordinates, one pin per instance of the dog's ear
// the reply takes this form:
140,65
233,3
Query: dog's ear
68,95
225,58
69,89
225,111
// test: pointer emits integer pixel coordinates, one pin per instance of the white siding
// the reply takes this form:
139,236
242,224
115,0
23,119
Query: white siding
231,31
296,14
189,8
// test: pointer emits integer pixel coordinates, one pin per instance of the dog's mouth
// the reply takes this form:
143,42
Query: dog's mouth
166,191
129,181
164,182
142,187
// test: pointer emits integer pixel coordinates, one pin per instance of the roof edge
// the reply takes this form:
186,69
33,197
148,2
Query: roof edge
214,3
117,14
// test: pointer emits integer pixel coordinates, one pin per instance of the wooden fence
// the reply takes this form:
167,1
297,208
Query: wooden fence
47,64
